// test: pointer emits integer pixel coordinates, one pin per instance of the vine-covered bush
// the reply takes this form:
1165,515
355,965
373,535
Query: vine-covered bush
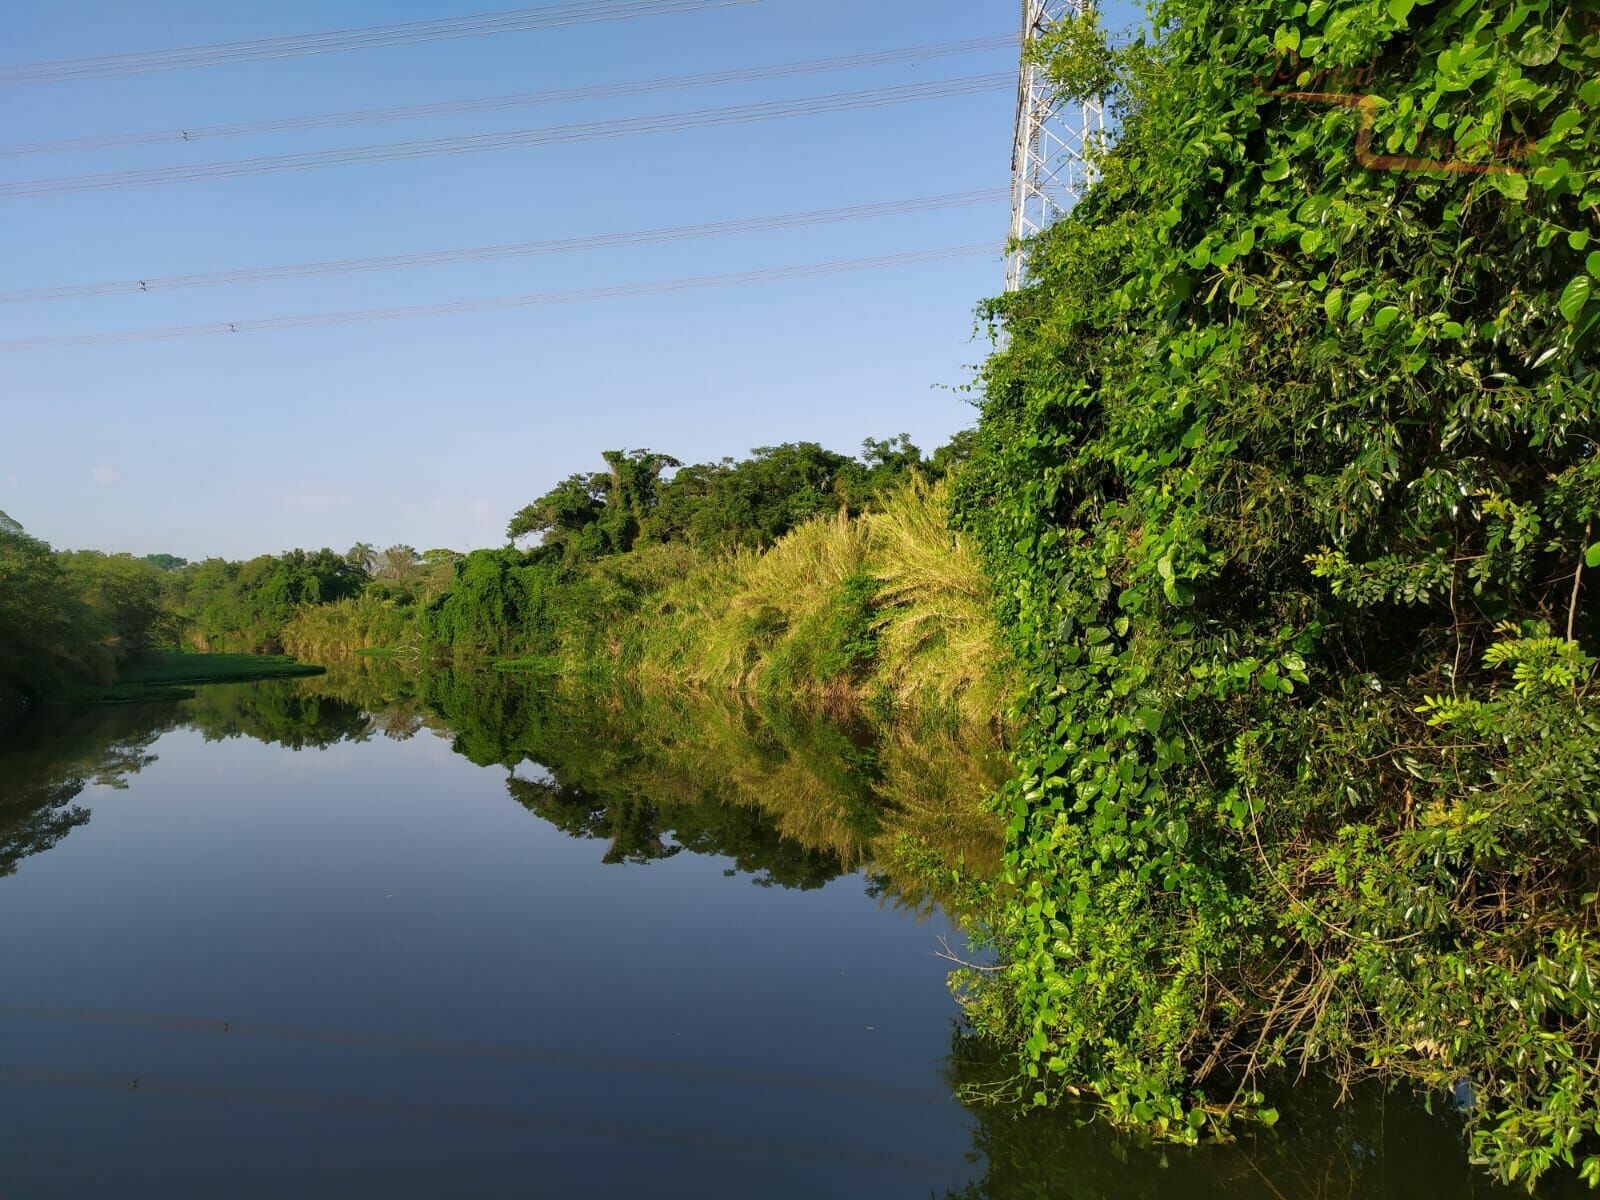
1287,479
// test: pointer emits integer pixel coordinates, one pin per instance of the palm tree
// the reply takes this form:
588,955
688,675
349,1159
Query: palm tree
363,555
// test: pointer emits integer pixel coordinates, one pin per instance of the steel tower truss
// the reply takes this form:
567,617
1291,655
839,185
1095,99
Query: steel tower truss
1050,159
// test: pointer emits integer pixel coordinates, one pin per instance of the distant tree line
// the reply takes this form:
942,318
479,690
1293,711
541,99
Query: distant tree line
73,615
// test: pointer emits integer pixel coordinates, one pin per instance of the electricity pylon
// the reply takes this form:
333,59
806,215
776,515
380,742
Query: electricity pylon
1050,159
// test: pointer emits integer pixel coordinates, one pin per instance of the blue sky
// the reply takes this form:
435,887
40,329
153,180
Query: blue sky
431,431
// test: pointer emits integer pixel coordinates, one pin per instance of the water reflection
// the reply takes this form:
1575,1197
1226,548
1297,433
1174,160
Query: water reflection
1372,1143
789,799
44,768
793,798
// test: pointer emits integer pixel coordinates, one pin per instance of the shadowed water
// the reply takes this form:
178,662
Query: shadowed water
384,933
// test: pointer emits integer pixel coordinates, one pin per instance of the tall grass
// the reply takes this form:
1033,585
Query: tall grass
936,626
345,626
890,606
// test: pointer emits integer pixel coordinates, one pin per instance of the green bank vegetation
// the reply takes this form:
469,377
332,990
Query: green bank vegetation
794,571
172,674
70,619
1286,481
1283,503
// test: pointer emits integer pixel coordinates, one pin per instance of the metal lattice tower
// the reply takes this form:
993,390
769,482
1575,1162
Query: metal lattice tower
1049,161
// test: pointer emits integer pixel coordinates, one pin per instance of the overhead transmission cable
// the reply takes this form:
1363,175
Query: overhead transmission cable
513,139
532,300
194,133
366,37
433,258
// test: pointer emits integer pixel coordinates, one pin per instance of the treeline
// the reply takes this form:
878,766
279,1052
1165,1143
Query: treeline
1287,482
250,606
68,617
796,568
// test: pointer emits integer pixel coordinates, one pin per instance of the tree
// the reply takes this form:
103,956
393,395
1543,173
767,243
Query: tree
398,563
565,509
586,516
47,632
363,556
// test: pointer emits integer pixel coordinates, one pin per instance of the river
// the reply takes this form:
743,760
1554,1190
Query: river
378,933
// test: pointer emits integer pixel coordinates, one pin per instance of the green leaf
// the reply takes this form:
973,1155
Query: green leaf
1400,10
1513,186
1276,171
1268,1117
1551,174
1358,306
1591,557
1593,263
1387,315
1539,47
1150,719
1578,239
1180,594
1562,123
1574,296
1333,303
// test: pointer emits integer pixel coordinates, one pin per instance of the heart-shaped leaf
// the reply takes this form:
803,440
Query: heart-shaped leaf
1574,297
1539,47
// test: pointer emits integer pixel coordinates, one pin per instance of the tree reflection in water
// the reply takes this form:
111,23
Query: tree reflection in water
791,798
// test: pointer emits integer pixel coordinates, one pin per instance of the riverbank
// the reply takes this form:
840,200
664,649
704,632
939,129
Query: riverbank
1295,554
173,675
887,608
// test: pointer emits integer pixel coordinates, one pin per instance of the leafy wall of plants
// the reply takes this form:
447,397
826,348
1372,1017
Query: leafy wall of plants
1287,478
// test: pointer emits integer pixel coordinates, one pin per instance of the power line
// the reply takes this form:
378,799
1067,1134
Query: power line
431,258
514,139
408,112
533,300
364,37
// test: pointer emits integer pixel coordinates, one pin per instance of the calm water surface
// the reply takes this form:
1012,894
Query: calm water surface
379,935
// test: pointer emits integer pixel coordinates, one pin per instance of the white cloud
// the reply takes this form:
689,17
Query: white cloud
103,475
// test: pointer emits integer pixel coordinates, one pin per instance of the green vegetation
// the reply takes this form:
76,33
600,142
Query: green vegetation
70,618
1286,479
795,570
888,607
172,675
1285,497
245,606
789,800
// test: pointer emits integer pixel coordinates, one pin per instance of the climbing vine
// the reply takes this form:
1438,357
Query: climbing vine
1287,476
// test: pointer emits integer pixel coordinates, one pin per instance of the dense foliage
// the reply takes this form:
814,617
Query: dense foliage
718,506
1287,477
71,617
244,606
778,572
647,561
